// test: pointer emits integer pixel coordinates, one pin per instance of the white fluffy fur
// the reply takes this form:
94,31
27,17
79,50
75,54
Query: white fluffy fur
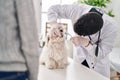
54,53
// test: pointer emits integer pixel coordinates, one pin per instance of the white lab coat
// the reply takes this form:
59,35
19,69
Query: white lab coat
107,38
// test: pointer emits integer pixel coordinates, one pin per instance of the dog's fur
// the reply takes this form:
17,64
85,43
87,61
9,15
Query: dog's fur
54,53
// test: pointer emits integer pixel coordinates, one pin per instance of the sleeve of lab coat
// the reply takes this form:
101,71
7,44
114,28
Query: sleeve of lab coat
78,54
65,11
106,44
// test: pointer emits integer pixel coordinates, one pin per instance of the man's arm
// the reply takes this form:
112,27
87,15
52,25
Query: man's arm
29,36
72,12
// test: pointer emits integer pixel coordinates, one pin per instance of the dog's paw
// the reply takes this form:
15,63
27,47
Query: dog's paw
62,66
51,66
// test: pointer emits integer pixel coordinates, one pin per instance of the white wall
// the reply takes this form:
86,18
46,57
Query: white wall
115,6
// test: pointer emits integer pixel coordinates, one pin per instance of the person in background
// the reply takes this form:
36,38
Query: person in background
19,56
95,34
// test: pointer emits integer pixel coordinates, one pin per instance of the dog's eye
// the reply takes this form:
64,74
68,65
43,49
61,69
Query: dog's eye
61,30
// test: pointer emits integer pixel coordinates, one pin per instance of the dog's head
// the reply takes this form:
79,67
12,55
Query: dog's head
56,39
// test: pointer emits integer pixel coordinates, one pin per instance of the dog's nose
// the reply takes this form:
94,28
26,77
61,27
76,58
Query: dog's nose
61,30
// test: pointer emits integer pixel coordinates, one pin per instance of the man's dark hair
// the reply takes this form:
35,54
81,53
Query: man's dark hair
88,24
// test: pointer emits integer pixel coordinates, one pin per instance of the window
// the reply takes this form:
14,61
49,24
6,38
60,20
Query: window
45,5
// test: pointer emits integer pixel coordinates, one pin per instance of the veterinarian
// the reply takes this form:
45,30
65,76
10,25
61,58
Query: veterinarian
95,34
19,56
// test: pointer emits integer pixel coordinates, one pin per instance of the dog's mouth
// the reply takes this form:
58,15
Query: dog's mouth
58,37
61,36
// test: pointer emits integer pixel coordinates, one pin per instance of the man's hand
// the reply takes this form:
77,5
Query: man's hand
80,41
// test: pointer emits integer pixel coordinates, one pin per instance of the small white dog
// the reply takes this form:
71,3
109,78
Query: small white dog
54,53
